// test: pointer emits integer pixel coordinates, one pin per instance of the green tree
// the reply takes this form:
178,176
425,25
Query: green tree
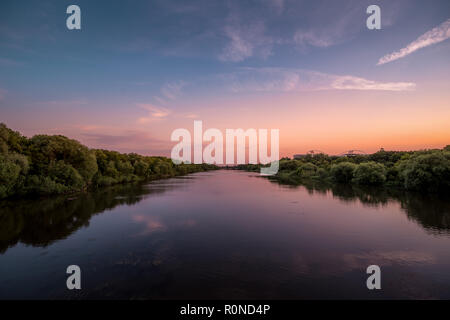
306,170
429,172
370,173
343,171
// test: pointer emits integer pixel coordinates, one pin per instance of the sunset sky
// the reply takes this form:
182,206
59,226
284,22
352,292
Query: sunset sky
138,70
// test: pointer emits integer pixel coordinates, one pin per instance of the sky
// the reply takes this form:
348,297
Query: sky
138,70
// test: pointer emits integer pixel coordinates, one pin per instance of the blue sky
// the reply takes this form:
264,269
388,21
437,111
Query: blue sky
138,61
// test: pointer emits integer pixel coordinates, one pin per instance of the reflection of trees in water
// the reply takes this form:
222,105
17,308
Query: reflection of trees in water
39,222
431,211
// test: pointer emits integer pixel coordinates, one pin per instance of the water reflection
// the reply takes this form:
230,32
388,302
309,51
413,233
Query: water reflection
41,222
226,235
432,212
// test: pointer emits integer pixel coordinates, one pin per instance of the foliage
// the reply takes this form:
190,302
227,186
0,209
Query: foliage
343,172
427,172
306,170
46,165
370,173
423,170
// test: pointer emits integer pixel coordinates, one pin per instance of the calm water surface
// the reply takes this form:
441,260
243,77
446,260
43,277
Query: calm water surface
226,235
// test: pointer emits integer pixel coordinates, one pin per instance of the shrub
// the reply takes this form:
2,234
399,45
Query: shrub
67,175
343,172
13,168
370,173
306,170
322,173
427,172
289,165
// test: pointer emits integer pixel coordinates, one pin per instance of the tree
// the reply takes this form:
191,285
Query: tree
370,173
429,172
55,164
343,172
306,170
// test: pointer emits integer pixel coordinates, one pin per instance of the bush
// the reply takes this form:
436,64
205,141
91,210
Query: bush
65,174
306,170
343,172
370,173
393,176
289,165
45,150
322,173
13,168
429,172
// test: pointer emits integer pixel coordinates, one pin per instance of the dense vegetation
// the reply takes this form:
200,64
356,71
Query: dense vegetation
425,170
44,165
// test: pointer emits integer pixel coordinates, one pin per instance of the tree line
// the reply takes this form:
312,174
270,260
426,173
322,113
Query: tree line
423,170
45,165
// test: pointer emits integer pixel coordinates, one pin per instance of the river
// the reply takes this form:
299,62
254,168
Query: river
226,235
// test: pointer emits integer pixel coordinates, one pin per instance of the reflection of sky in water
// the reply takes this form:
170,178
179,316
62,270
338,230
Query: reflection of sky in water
235,235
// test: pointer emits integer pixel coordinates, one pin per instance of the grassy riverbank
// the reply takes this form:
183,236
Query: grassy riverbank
46,165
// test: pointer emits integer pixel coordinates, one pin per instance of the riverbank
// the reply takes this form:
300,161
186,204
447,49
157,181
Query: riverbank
47,165
423,171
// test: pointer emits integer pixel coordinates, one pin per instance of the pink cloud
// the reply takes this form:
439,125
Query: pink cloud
154,113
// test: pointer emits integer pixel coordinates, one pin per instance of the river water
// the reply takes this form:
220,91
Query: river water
226,235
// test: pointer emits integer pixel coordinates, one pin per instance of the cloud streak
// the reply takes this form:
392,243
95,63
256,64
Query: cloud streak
304,38
287,80
355,83
154,113
244,42
435,35
172,90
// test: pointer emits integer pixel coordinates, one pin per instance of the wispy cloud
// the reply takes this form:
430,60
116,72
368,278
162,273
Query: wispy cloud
311,38
271,27
154,113
288,80
435,35
355,83
160,100
172,90
339,23
246,41
238,49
